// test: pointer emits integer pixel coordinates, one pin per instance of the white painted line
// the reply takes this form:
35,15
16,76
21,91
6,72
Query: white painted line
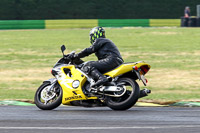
105,128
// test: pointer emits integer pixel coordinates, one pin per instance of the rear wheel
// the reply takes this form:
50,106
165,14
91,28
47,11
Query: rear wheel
128,99
48,100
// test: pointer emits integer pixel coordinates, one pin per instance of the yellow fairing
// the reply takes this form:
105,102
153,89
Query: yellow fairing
70,93
124,68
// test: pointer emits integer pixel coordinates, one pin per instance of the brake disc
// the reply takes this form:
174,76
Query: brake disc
46,96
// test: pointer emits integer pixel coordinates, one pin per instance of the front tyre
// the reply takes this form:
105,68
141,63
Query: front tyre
128,99
48,100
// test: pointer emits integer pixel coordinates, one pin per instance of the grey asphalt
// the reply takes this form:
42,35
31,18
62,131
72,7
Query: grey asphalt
66,119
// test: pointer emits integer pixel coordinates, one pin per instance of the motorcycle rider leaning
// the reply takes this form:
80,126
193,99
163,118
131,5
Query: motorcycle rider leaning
107,53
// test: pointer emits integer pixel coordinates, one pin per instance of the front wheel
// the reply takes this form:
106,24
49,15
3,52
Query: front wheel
128,99
46,99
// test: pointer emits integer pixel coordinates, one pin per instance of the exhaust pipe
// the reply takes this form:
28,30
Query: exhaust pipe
144,92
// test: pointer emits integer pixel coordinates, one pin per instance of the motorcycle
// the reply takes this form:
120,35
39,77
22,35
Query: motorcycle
71,86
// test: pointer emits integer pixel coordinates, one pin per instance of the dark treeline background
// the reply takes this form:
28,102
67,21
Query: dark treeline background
94,9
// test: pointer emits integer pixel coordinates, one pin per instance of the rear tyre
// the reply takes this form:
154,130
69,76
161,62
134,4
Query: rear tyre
127,100
48,100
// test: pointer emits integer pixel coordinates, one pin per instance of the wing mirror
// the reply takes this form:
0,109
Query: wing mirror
63,48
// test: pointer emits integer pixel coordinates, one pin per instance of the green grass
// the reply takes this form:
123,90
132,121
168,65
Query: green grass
13,94
26,58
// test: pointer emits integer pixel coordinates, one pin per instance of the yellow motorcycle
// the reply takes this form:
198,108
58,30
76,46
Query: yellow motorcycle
71,86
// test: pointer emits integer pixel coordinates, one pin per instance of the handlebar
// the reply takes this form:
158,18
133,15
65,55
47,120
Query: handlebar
69,56
73,52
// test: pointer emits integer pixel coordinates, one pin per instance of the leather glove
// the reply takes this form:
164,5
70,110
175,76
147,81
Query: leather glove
73,56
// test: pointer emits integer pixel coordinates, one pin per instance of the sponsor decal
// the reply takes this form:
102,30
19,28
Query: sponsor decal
65,82
74,97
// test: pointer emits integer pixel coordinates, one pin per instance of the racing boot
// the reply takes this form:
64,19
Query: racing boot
98,77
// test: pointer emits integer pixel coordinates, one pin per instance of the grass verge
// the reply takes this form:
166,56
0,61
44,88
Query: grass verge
26,58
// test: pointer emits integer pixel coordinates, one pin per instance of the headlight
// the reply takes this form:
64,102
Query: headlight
75,84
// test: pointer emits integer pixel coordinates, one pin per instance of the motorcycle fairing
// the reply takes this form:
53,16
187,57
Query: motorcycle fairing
126,67
66,81
72,94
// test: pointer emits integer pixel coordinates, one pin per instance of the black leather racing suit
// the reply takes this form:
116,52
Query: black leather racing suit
107,53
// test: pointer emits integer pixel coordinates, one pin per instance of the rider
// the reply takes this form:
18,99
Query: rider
107,53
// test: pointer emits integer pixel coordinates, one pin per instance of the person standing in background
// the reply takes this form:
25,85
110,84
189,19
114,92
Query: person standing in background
187,12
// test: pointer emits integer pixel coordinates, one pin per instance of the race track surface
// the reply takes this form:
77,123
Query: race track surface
66,119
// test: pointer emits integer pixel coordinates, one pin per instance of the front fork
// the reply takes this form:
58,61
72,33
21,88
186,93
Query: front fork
52,81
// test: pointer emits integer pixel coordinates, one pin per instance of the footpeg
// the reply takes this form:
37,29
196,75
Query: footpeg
94,89
144,92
